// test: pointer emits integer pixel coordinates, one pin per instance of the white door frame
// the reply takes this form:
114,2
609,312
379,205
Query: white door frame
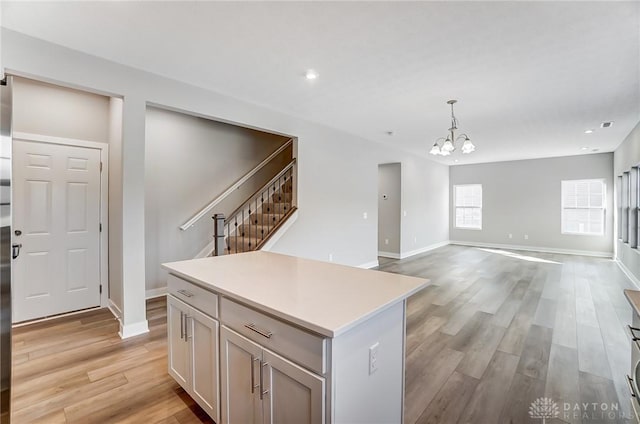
104,196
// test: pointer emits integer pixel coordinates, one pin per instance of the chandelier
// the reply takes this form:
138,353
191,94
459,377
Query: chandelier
448,145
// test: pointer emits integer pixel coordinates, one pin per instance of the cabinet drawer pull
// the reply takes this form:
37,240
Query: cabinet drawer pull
263,333
185,293
631,389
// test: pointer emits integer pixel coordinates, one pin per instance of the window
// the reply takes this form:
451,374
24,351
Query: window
625,207
583,207
468,200
633,208
619,205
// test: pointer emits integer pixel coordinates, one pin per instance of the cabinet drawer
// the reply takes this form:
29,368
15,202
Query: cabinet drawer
194,295
308,350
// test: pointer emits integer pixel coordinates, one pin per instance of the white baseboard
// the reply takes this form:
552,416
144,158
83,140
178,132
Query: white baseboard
534,249
369,265
151,293
134,329
391,255
628,273
115,310
280,232
208,249
423,249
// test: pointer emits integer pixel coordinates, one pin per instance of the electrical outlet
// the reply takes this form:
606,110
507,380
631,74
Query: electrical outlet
526,236
373,357
330,257
510,235
386,241
364,215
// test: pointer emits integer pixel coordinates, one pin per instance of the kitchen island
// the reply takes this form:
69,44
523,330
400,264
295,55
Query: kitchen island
263,337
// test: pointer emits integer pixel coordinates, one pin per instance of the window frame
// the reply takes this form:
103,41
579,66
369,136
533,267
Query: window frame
455,207
603,208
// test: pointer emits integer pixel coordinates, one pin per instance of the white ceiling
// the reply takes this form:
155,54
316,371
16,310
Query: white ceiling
530,77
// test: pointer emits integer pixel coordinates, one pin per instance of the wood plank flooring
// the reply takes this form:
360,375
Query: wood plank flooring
493,332
497,330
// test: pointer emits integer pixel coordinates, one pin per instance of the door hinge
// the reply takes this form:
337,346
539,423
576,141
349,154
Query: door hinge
100,166
101,227
100,288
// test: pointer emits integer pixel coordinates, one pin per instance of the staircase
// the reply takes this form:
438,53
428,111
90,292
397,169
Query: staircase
251,225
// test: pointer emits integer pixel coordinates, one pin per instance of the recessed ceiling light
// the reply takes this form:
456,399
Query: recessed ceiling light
588,131
606,124
584,148
311,74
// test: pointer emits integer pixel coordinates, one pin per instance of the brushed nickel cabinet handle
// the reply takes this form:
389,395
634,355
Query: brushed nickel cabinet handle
181,325
254,386
186,327
262,391
633,330
185,293
263,333
631,389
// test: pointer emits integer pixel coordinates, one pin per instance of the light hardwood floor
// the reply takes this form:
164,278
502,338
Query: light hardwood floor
497,330
494,332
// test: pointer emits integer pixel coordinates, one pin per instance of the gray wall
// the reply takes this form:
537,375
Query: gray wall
523,197
52,110
626,156
389,204
189,162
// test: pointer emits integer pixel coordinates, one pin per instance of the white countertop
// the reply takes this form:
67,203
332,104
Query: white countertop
325,298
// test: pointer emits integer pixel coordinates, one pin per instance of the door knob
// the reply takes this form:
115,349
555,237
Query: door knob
16,250
17,232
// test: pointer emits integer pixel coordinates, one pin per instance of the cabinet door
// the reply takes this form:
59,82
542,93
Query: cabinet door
294,395
179,367
240,372
202,333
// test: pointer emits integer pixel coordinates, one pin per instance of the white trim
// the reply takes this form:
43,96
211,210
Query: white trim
115,310
134,329
424,249
63,315
370,265
628,273
104,196
280,232
158,292
208,249
534,249
391,255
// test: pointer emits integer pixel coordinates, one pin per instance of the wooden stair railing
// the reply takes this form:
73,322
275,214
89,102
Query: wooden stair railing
251,225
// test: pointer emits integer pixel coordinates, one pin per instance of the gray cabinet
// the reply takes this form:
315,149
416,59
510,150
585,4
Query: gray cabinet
193,353
261,387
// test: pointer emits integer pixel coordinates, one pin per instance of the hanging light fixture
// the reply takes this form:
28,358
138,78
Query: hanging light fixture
448,142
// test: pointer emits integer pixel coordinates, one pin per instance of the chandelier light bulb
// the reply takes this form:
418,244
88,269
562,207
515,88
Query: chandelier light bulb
448,146
445,152
435,150
467,146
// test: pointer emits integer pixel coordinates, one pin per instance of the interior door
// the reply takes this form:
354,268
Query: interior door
56,219
293,395
240,371
202,332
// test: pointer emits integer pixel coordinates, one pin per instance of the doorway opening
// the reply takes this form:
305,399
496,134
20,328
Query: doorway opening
389,210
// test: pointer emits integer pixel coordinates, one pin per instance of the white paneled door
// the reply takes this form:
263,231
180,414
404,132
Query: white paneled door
56,219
